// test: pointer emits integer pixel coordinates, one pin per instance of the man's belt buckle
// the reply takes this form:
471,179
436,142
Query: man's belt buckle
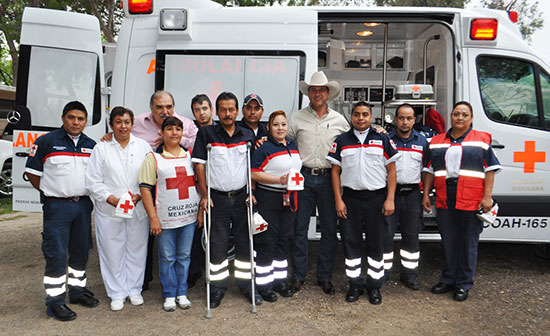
232,193
74,198
317,171
405,189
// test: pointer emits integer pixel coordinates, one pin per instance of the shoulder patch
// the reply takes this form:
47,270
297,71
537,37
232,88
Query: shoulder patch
333,147
393,144
34,148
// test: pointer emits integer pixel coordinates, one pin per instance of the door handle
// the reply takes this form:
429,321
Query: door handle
22,154
499,146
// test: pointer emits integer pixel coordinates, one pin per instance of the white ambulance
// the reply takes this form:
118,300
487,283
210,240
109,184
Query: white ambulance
188,47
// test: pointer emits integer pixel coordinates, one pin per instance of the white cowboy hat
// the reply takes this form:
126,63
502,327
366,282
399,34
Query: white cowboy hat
320,79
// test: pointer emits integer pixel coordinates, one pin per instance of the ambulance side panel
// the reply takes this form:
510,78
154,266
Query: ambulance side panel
509,89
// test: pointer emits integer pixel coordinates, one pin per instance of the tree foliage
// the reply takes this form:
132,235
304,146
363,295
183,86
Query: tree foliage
529,15
424,3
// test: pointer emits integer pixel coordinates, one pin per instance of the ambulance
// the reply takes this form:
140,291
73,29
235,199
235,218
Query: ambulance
383,55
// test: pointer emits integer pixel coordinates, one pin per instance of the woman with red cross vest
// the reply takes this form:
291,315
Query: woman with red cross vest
120,219
270,171
173,213
462,169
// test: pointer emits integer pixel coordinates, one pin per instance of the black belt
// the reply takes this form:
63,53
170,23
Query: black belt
66,199
406,188
316,171
364,194
232,193
452,181
270,188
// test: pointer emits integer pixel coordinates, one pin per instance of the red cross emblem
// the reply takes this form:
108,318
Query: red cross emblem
416,88
126,206
261,227
297,179
494,212
182,182
529,157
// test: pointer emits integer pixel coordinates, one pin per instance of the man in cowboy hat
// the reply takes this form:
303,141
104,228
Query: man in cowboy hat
314,129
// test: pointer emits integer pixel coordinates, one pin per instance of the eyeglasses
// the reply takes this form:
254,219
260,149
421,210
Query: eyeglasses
256,108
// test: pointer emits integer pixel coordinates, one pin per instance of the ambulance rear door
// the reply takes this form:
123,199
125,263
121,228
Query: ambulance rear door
61,60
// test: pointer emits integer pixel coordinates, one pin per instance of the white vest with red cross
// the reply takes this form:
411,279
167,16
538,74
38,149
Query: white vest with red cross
177,200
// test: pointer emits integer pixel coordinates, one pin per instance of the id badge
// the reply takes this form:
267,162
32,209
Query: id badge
286,199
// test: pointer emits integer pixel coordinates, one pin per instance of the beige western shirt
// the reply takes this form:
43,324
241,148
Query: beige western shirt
314,135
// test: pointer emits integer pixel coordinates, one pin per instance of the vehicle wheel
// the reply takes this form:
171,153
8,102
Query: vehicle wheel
542,250
6,185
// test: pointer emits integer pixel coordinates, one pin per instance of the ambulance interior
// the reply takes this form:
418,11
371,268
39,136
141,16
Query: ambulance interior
353,54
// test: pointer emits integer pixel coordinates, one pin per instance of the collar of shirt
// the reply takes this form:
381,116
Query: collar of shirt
220,130
167,154
460,138
361,135
312,111
277,143
395,136
64,134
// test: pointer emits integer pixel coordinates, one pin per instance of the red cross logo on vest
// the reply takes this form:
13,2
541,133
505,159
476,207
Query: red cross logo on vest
182,182
529,157
261,227
126,206
297,179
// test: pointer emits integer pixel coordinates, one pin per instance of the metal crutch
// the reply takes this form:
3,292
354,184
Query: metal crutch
206,233
251,229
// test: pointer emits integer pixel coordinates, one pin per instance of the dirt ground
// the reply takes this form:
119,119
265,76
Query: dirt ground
510,297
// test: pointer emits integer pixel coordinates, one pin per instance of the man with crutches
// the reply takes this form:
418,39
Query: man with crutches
225,148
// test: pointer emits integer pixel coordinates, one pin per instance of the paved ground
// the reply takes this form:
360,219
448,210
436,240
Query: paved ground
511,297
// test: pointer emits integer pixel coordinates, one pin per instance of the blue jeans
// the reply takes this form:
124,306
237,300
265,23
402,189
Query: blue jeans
174,247
317,192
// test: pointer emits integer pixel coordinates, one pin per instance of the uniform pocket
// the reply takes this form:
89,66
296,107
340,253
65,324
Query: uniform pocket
61,165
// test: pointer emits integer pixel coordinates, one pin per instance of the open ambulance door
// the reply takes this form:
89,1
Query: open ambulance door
61,60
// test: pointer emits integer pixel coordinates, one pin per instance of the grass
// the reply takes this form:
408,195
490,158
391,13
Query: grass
5,206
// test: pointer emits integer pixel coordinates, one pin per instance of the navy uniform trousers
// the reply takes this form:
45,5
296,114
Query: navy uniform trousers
460,232
408,215
364,215
66,229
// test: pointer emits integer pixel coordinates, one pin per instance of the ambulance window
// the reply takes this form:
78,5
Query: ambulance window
56,77
508,90
545,92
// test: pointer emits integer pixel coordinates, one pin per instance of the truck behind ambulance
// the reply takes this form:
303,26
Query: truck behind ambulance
427,57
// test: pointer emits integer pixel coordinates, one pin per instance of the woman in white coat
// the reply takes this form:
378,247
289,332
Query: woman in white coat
120,220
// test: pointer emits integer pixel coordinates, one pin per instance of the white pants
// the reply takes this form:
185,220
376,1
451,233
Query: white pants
122,249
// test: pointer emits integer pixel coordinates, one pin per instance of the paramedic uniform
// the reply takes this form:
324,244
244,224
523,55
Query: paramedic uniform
60,160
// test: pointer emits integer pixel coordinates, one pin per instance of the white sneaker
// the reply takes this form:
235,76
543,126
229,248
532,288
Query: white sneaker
183,302
117,304
136,300
169,304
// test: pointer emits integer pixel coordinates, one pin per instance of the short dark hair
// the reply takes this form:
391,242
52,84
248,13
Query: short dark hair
361,103
463,102
120,111
199,99
159,93
75,105
171,121
400,106
227,96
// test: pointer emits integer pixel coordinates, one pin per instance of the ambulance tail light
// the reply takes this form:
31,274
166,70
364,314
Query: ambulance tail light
484,29
140,6
513,15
